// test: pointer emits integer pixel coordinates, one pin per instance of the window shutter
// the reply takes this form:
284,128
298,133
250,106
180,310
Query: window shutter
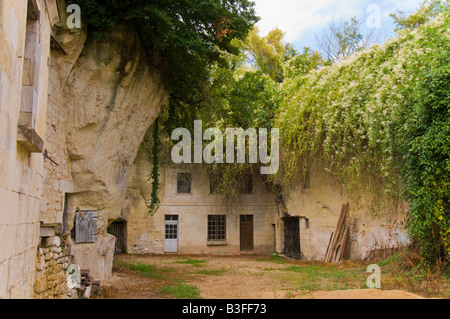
86,227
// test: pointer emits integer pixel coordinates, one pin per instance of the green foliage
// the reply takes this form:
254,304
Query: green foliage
154,175
183,37
343,39
269,53
428,10
378,120
304,63
422,134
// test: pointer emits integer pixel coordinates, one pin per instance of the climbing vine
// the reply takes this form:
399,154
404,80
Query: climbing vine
154,175
380,120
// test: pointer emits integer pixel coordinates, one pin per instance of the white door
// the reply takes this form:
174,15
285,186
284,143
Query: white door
171,234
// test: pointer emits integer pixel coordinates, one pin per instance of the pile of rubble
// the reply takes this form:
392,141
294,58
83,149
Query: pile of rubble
88,286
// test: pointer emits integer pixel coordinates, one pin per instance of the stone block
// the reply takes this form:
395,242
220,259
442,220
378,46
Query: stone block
5,136
13,35
4,273
47,232
52,241
40,284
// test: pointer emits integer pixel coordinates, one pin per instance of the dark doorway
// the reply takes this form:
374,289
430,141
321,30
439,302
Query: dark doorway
292,237
246,232
119,230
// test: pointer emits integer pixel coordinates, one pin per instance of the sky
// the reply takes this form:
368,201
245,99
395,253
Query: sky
302,20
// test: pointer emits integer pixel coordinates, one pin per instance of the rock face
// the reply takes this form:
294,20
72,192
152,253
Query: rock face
112,97
105,95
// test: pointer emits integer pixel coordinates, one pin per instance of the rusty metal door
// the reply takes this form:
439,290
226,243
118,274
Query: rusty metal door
246,232
292,237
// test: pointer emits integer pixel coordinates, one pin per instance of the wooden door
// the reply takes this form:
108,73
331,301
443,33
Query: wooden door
292,237
246,232
119,230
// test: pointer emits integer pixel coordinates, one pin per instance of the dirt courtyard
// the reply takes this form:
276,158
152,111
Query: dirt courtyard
238,277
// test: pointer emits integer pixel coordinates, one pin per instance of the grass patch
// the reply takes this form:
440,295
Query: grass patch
212,272
274,258
310,270
181,291
193,262
146,270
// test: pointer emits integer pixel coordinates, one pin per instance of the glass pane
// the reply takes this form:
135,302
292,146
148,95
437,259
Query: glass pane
216,227
183,183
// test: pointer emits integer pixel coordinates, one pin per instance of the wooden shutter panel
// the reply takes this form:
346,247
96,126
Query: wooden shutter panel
86,227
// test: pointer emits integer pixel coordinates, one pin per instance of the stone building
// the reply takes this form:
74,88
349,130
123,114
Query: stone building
25,28
374,222
194,219
73,113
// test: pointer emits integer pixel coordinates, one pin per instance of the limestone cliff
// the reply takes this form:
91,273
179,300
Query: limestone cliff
105,95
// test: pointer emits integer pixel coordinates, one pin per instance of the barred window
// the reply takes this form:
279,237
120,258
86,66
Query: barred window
183,183
216,227
247,184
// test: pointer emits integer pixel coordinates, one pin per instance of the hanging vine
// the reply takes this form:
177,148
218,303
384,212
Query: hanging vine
154,175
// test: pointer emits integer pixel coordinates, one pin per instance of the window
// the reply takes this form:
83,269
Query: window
247,184
85,227
184,183
216,227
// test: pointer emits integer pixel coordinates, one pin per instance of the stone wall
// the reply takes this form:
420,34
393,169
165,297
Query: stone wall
73,112
104,96
51,265
146,234
25,44
373,223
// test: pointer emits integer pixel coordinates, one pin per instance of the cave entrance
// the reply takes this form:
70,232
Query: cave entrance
119,230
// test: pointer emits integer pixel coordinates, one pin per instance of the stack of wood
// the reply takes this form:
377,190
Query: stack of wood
339,238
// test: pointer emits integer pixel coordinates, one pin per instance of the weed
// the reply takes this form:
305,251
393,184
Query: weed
181,291
213,272
193,262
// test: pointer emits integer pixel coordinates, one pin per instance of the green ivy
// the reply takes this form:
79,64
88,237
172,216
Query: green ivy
380,121
154,175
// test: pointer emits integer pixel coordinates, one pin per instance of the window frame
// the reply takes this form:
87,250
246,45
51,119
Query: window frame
217,231
183,187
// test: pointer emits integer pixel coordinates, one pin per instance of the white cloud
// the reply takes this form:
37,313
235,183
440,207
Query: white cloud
296,17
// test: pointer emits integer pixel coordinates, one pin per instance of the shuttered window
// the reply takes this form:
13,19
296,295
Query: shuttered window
86,227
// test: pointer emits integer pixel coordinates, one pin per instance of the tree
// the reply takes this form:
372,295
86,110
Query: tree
188,36
303,63
269,53
343,39
428,10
